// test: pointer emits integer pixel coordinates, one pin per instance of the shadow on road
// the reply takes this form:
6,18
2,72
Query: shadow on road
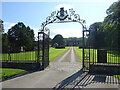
81,79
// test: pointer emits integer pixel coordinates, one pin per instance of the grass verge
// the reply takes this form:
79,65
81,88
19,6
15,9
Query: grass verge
56,52
8,72
79,52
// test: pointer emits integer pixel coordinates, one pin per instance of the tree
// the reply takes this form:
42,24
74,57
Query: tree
114,13
107,33
58,39
55,45
111,25
97,35
21,36
5,43
1,26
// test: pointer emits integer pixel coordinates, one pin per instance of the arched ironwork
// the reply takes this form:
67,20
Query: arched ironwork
65,16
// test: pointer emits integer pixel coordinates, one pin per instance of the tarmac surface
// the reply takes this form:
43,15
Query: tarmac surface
65,71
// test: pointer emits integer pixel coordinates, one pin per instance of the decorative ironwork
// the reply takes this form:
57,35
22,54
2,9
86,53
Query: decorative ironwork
63,16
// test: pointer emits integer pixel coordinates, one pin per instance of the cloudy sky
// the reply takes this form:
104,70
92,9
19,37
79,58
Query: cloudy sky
34,13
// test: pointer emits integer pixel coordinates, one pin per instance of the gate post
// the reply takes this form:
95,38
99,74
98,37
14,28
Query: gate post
83,49
102,56
86,49
43,54
38,57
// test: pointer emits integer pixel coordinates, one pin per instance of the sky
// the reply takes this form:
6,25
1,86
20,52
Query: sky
33,14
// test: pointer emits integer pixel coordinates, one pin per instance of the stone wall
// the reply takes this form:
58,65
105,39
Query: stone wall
26,65
105,69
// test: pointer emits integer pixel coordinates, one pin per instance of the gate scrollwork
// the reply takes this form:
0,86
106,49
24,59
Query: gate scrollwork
62,16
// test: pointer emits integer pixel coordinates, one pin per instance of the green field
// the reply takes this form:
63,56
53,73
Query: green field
112,56
7,72
32,56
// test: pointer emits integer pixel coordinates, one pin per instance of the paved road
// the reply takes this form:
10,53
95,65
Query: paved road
65,71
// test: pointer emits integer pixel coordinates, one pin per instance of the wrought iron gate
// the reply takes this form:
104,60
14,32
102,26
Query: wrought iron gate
65,16
86,49
43,49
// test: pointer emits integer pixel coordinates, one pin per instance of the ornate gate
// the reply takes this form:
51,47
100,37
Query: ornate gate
63,16
43,49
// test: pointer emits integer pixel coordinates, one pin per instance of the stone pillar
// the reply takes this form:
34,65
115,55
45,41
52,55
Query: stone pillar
102,56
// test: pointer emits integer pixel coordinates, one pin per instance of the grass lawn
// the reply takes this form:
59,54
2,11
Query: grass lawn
112,57
56,52
8,72
32,56
79,52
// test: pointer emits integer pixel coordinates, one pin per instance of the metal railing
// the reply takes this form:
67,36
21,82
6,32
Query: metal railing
108,56
19,55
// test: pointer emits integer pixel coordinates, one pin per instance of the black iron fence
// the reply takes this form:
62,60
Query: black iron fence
19,54
105,56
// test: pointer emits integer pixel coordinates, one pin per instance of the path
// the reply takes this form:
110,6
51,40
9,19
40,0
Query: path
64,72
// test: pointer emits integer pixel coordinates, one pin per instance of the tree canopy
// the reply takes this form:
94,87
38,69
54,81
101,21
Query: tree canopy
107,33
58,41
1,26
21,36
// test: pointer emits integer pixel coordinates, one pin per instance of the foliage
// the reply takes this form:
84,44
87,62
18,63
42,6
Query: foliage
106,34
21,36
59,40
1,26
55,45
5,42
114,13
97,36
